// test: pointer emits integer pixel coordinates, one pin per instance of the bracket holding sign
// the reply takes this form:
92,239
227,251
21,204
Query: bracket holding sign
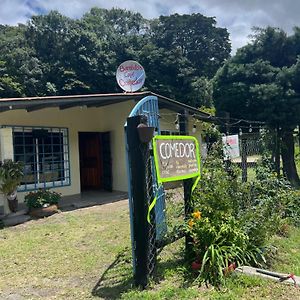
176,157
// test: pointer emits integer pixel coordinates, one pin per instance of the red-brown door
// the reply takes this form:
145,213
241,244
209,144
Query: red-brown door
90,160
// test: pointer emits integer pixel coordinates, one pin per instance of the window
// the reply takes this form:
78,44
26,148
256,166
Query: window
45,153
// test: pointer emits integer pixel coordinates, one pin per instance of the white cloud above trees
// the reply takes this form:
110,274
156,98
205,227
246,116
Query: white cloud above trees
238,16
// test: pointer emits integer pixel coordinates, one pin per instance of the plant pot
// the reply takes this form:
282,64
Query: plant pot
12,201
43,211
13,205
145,133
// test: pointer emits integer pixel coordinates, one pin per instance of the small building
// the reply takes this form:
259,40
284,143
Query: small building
75,143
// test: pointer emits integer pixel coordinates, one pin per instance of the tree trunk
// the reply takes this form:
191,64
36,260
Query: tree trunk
288,158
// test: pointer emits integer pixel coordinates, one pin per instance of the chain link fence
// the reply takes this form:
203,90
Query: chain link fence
251,148
168,215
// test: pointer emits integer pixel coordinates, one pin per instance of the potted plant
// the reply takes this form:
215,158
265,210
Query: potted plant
42,203
11,174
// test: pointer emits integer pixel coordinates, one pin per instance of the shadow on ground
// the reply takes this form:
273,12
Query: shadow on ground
116,279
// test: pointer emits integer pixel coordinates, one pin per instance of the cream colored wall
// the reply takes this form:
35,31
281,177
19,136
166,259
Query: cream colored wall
167,122
108,118
6,152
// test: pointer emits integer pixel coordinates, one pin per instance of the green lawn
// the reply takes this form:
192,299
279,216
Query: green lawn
85,254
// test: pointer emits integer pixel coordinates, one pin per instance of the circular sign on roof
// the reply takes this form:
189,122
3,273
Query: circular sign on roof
130,76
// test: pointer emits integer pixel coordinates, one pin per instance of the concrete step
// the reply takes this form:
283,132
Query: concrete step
16,214
83,204
15,220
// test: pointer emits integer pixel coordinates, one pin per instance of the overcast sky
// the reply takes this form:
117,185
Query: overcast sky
238,16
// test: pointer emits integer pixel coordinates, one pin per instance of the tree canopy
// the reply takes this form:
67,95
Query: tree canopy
261,82
56,55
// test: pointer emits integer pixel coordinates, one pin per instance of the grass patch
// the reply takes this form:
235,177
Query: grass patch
85,254
63,255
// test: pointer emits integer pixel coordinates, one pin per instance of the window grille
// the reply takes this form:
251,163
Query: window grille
45,154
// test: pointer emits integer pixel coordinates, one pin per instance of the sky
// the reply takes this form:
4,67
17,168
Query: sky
238,16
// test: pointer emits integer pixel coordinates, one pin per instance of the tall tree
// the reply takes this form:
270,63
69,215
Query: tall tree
54,54
198,38
261,83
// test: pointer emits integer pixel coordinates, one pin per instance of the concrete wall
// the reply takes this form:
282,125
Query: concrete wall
109,118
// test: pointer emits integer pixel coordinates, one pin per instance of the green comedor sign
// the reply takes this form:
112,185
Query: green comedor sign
176,157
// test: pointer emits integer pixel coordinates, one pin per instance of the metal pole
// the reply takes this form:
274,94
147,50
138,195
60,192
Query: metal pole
138,169
244,159
187,186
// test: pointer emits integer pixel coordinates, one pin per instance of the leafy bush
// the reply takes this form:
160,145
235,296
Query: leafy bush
233,220
41,198
218,244
11,173
292,207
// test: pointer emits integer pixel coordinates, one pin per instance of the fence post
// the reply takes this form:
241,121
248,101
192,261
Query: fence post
277,151
138,169
244,159
187,186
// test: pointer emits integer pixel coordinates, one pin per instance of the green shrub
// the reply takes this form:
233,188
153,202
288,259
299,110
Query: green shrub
42,198
233,220
292,207
11,174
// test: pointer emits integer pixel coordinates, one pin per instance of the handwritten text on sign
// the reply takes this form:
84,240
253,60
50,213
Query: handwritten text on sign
176,157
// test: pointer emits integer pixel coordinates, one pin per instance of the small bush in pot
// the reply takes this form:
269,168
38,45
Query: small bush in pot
42,203
11,174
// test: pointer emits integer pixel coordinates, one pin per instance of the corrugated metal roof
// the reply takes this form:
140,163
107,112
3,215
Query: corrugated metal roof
95,100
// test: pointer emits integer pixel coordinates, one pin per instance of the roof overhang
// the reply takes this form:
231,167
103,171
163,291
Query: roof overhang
96,100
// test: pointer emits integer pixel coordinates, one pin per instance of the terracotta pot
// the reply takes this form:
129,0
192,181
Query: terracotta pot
43,211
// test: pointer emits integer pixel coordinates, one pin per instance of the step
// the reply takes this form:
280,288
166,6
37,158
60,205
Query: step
15,220
16,214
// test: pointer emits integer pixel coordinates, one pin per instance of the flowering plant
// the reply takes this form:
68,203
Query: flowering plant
42,198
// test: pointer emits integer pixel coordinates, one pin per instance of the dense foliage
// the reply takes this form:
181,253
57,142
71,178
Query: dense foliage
233,220
261,82
11,174
42,198
55,55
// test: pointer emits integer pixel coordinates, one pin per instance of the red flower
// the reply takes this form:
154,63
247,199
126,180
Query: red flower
196,265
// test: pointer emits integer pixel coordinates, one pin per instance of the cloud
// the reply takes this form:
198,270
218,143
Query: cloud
236,15
13,12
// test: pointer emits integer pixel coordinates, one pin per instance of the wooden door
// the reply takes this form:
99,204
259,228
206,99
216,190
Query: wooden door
90,160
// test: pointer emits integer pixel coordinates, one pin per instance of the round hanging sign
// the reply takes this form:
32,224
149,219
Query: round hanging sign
130,76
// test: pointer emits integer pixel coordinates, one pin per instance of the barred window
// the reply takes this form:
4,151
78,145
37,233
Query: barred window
45,154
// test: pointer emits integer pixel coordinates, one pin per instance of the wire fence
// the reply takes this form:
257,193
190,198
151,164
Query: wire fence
168,205
251,152
167,216
251,149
